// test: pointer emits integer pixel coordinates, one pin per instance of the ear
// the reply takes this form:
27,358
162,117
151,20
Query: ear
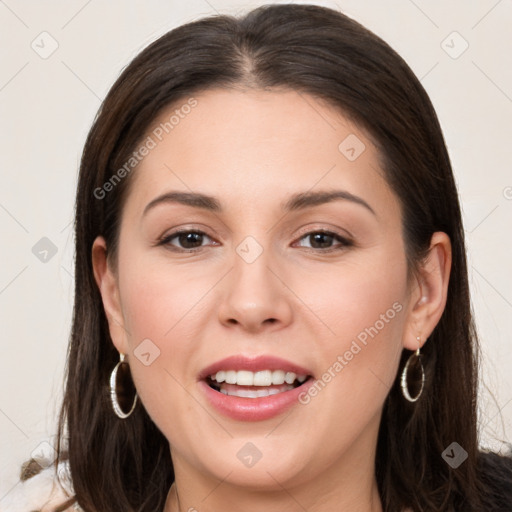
108,286
429,292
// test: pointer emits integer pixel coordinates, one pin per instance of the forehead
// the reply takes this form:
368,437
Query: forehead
257,145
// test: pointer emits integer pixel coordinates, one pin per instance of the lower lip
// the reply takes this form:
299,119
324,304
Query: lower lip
254,409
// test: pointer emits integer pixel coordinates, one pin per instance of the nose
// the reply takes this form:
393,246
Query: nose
255,296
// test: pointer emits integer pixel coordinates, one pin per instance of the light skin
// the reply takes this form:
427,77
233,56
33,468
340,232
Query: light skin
252,150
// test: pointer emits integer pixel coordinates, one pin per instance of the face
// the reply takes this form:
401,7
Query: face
286,281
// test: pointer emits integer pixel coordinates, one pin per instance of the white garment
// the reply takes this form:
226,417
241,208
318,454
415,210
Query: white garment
41,492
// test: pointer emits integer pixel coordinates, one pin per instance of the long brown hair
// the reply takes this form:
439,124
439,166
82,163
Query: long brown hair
125,465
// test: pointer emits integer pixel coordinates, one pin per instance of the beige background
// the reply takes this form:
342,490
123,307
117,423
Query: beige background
47,106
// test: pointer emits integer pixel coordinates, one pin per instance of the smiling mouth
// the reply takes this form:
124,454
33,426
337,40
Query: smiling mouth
247,384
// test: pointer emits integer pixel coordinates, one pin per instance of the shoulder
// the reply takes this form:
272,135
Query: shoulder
495,472
40,489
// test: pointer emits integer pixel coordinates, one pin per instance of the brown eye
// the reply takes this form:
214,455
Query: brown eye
186,240
324,240
321,240
190,240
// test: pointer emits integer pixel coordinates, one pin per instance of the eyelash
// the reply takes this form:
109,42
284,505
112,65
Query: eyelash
344,242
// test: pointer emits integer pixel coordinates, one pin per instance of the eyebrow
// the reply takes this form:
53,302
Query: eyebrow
315,198
296,202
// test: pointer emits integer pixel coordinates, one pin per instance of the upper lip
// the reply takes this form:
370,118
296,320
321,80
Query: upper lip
253,364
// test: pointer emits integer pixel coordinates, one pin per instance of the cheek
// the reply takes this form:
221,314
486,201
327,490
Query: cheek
160,299
162,308
362,311
365,292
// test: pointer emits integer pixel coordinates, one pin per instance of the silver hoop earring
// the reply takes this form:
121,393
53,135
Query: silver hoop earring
405,387
113,392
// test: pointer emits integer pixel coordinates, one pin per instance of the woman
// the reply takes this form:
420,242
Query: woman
272,307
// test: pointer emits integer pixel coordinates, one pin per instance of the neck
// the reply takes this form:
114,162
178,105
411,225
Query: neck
346,484
287,501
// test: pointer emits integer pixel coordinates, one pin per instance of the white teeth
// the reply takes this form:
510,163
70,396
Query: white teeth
246,393
244,378
278,377
261,378
259,393
231,377
290,377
